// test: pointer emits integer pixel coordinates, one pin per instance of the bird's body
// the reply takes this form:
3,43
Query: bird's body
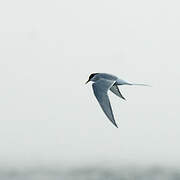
102,82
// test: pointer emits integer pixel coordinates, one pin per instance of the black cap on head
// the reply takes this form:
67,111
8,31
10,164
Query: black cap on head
91,76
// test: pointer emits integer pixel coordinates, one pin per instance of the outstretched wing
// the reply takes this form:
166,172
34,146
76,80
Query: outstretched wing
100,89
116,91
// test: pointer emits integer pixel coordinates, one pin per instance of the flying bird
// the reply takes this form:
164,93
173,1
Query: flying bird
102,83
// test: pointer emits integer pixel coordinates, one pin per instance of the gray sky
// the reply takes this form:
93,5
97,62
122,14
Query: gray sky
47,51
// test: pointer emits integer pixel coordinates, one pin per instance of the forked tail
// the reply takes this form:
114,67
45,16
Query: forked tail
139,84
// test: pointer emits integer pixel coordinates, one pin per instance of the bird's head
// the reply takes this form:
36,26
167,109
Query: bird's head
91,77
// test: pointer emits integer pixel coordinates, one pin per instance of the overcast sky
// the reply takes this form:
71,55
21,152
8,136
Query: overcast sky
47,51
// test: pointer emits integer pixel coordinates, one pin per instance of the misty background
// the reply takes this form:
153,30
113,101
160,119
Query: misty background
47,51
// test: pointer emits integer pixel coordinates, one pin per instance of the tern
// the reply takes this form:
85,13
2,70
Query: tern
102,83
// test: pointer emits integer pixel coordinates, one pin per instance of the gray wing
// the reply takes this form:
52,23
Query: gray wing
100,89
116,91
